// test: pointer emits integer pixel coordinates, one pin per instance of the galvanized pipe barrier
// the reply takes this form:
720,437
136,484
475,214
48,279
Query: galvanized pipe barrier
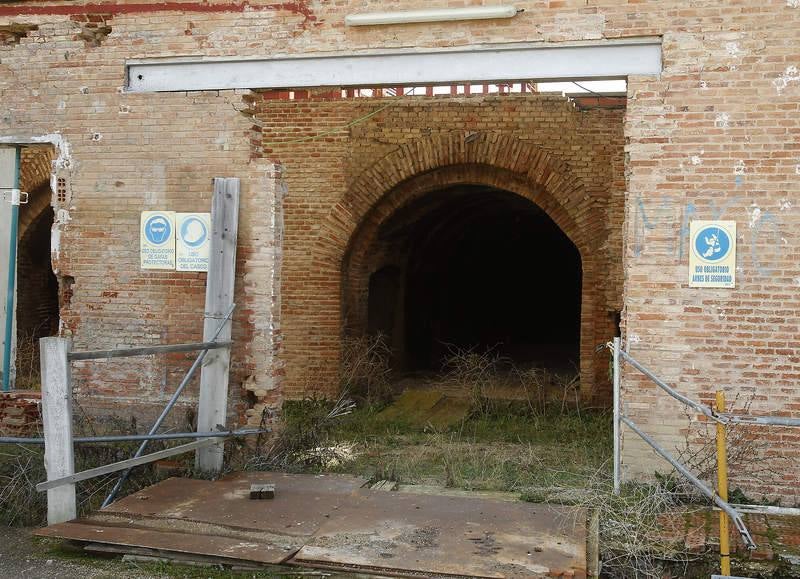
157,424
138,437
700,485
145,351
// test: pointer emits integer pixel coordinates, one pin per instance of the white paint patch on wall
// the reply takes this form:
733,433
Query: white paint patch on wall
789,76
722,121
793,3
785,204
739,167
755,215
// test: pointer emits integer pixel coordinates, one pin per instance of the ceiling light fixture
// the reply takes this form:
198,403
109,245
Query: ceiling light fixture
436,15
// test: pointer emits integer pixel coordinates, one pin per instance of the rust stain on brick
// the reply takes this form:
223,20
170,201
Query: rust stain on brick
140,8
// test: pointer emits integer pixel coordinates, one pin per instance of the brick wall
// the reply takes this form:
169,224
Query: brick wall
715,135
343,187
20,413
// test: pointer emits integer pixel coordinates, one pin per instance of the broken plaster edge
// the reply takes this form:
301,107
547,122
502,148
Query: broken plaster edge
63,161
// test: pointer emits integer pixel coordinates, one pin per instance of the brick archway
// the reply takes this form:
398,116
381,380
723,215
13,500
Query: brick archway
424,165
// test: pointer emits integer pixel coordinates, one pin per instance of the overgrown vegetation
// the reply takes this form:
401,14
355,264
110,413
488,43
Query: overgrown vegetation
22,468
365,368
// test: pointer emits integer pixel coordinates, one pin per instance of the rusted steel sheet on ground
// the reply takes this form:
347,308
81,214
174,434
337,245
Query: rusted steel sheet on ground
217,518
407,535
229,548
301,504
331,521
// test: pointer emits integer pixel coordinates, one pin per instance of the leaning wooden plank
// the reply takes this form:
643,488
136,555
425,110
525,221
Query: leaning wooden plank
123,464
146,350
212,408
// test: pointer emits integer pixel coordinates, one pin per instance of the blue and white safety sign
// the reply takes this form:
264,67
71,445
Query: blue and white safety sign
712,254
193,241
157,240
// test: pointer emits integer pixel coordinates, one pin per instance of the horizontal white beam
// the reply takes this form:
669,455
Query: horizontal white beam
530,62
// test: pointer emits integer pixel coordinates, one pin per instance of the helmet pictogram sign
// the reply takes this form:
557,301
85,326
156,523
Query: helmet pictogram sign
193,241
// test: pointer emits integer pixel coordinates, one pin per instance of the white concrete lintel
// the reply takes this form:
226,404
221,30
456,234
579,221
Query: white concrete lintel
599,60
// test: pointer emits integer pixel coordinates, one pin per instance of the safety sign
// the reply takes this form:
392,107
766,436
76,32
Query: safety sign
193,233
157,240
712,254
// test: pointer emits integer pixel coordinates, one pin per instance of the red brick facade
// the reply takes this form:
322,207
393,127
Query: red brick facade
714,136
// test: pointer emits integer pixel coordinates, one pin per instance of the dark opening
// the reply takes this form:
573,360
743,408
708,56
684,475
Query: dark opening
37,298
485,268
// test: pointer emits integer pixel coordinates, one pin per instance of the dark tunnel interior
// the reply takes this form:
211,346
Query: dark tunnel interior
484,268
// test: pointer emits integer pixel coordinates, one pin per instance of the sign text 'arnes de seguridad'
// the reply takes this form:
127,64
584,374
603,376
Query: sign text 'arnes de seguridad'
712,254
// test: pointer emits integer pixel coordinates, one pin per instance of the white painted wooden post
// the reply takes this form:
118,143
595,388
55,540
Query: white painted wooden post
213,405
59,460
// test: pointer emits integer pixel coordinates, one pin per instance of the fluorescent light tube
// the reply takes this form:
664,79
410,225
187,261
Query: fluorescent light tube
436,15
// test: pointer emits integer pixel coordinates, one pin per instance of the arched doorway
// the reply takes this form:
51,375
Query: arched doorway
350,247
37,303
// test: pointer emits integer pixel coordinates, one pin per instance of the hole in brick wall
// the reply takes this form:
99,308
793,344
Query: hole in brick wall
475,267
61,191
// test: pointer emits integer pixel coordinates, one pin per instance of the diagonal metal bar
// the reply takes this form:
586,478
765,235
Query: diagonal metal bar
700,485
701,408
124,464
157,424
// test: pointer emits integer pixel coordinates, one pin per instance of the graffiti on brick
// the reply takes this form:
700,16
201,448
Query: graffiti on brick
662,227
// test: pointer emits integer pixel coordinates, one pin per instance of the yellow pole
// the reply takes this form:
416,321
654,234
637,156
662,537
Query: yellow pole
722,490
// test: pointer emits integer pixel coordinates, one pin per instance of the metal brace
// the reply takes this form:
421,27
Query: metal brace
17,197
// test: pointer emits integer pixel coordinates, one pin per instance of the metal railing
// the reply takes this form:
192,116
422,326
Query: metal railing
722,419
56,401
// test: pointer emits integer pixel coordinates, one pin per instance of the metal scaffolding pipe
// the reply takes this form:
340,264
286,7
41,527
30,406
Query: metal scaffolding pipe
157,424
136,437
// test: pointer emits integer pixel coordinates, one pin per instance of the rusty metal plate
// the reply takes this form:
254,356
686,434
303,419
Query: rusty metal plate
229,548
301,504
404,534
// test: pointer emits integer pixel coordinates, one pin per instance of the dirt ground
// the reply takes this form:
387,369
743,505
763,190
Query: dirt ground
22,557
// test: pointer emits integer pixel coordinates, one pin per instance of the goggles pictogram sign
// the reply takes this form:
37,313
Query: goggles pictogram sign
157,240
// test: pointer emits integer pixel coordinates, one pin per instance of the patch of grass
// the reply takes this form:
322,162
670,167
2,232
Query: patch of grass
50,548
506,449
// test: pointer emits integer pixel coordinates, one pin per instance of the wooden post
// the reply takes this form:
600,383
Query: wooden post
59,459
722,490
213,406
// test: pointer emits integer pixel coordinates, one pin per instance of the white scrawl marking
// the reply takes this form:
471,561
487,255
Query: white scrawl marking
785,204
732,48
789,76
797,281
739,167
696,159
793,3
722,121
755,215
